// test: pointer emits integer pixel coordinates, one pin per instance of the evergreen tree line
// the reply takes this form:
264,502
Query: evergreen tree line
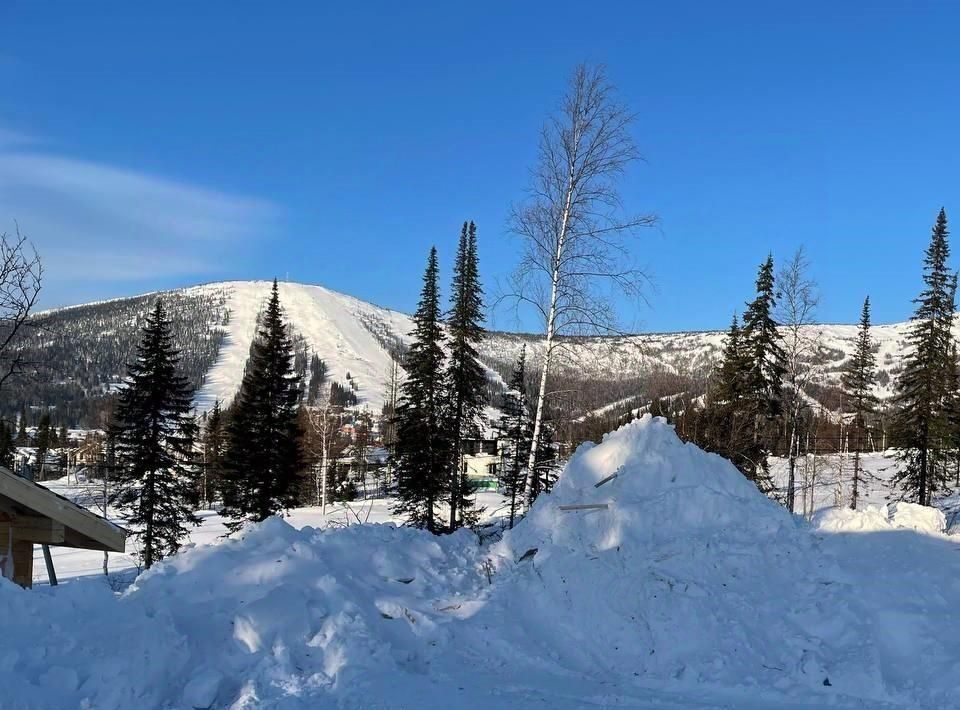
440,407
743,417
253,456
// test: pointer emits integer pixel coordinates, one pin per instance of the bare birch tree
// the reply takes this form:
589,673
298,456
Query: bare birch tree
575,258
21,275
797,299
324,425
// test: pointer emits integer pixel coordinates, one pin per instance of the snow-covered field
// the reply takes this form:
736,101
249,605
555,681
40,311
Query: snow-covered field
683,588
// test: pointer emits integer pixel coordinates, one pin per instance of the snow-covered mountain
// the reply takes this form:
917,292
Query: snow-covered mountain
86,347
351,336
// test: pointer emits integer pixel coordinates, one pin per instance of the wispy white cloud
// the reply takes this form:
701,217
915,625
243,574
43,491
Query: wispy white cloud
96,223
10,138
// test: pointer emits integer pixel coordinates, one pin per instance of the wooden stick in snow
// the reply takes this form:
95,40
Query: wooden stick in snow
586,506
605,480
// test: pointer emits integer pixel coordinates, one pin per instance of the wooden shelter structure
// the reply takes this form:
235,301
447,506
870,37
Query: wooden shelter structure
31,514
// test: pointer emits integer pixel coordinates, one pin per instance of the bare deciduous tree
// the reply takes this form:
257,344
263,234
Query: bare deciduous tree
21,276
797,299
575,256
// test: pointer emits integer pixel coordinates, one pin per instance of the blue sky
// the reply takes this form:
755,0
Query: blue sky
151,146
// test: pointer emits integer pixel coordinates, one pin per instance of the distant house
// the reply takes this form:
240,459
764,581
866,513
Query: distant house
481,462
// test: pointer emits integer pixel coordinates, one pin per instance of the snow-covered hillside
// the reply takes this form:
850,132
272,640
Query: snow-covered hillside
354,336
349,335
683,587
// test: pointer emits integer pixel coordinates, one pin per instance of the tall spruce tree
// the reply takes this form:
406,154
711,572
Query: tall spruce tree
729,429
7,447
152,434
214,453
466,378
516,435
263,457
858,381
22,438
42,440
423,437
923,386
765,367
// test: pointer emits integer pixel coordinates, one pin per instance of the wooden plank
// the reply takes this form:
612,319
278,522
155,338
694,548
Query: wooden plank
586,506
102,534
23,563
30,528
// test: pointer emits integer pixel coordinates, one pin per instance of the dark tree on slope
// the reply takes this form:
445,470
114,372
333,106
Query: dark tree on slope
423,438
922,388
728,426
22,438
318,375
466,377
516,434
765,367
152,430
263,457
6,446
42,441
858,382
547,466
214,453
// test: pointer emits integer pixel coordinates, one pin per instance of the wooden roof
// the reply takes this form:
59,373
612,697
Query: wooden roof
55,519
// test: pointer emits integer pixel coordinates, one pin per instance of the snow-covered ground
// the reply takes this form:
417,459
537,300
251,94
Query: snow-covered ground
683,587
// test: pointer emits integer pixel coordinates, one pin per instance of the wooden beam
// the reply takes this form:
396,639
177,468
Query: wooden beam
32,528
23,563
43,502
586,506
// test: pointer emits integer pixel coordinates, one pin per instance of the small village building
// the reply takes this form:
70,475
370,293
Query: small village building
31,514
481,462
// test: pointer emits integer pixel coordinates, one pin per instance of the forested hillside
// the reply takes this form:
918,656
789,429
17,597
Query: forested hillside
80,353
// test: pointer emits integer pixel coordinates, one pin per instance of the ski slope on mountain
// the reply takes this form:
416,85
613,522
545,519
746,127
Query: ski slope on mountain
354,336
340,329
683,587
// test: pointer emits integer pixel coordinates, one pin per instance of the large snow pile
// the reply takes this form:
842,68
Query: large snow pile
876,518
278,613
689,574
685,588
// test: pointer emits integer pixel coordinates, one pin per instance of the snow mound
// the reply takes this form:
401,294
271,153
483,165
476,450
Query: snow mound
276,613
680,586
687,574
877,518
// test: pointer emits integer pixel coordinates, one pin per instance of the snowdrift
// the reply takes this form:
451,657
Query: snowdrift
876,518
682,587
689,574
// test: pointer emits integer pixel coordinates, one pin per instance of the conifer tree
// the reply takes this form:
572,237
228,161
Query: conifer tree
151,429
423,439
923,385
466,378
22,438
42,442
858,380
765,367
516,433
263,456
7,447
546,468
214,453
729,386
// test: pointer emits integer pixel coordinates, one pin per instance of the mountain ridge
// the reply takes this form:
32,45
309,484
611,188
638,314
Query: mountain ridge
357,340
